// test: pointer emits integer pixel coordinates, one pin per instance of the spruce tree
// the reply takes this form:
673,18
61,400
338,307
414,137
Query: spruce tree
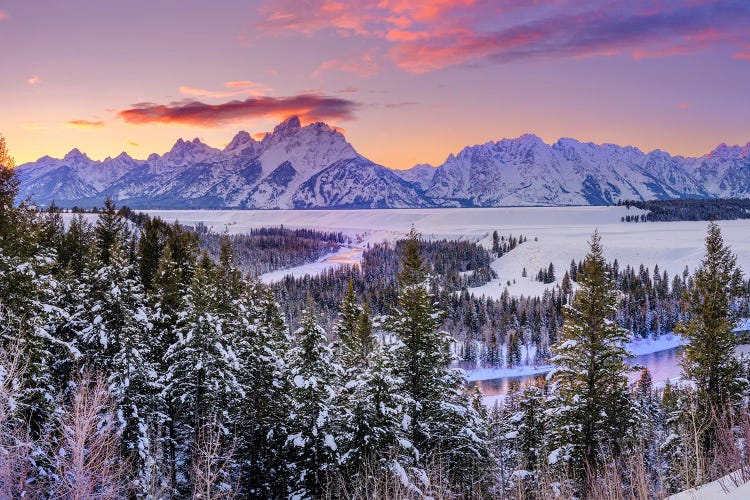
442,424
262,430
313,420
203,367
27,292
111,228
589,379
116,341
150,248
354,331
709,360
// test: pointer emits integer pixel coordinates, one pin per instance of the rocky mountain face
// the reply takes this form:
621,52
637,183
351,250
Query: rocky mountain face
315,167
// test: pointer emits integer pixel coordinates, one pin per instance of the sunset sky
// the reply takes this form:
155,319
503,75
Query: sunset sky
409,81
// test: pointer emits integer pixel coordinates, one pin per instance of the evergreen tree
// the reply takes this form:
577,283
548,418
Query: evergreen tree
354,330
514,350
495,244
27,291
203,367
313,420
589,380
531,427
442,424
709,360
265,376
116,341
111,228
373,418
150,248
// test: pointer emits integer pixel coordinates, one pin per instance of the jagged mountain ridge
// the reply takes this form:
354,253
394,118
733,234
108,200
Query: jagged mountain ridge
315,167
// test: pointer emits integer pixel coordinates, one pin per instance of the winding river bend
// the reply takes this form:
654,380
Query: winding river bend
663,365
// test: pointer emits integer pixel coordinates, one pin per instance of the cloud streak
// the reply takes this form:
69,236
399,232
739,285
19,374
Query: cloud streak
85,124
33,80
426,35
308,106
237,88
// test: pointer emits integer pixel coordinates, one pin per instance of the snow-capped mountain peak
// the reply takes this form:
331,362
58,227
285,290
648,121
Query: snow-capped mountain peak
288,126
240,141
76,157
185,152
314,166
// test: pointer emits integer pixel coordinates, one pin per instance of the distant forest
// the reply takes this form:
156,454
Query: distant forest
688,210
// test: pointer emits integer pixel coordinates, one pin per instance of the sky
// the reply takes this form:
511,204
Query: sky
407,81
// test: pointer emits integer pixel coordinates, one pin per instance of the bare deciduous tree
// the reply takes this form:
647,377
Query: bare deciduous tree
210,471
87,463
15,443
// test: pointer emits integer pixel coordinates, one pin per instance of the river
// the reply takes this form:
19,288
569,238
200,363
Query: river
663,365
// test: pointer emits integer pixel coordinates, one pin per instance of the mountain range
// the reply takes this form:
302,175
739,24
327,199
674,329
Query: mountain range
296,167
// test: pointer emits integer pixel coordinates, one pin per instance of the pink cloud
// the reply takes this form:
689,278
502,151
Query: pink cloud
33,80
309,107
241,84
364,65
743,53
3,15
684,105
426,35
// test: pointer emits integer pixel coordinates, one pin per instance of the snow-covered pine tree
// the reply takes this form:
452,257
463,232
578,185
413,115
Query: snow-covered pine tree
167,302
313,421
503,431
442,424
709,360
78,246
262,430
110,228
648,432
27,289
118,343
531,426
203,368
589,385
373,418
354,331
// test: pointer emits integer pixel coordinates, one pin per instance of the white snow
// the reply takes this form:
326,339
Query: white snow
344,256
517,371
562,232
729,487
647,346
330,442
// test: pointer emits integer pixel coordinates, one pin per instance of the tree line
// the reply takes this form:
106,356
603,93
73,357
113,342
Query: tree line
704,209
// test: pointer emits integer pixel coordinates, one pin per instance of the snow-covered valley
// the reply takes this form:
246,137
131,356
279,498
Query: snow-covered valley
555,235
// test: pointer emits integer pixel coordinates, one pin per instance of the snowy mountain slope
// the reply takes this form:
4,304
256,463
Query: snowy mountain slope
315,167
245,174
357,183
421,175
725,171
526,171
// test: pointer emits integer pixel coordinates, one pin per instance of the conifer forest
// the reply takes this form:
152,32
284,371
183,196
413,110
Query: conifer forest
145,359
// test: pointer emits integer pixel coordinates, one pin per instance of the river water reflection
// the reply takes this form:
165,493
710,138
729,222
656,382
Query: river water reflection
663,365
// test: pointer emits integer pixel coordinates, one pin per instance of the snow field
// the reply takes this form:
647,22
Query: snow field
562,232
